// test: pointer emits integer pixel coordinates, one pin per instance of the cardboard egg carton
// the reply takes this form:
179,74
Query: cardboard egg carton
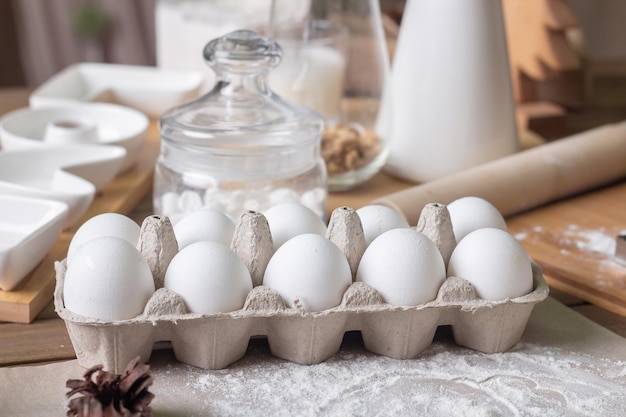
216,341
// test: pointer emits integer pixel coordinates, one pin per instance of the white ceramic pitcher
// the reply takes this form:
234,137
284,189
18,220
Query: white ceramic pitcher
452,98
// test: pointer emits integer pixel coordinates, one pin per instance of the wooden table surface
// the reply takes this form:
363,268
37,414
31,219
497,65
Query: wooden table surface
46,338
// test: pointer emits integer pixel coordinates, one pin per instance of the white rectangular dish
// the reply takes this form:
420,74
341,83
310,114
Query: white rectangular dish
28,228
148,89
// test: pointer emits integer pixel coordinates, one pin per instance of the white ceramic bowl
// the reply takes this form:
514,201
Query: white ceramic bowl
70,174
148,89
28,228
94,123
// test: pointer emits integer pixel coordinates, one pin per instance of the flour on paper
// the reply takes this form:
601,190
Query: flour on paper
447,380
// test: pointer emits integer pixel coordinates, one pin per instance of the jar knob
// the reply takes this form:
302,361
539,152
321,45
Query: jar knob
242,51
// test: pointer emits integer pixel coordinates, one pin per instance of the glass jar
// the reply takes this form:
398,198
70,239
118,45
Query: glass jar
336,62
239,147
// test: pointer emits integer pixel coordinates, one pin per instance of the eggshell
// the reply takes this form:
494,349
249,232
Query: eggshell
404,266
377,219
105,224
287,220
310,268
209,277
200,225
108,279
472,213
494,262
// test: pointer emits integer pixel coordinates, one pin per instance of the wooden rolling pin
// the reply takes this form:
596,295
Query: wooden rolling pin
529,178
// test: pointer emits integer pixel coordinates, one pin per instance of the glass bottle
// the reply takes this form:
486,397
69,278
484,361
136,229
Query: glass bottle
239,147
336,62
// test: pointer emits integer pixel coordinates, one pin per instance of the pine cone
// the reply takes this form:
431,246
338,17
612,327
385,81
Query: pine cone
112,395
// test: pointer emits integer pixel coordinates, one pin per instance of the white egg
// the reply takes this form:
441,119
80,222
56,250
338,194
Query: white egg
200,225
311,268
108,279
105,224
494,262
472,213
404,266
209,277
287,220
377,219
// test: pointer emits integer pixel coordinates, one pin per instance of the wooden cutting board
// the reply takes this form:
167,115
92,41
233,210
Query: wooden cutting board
574,241
24,303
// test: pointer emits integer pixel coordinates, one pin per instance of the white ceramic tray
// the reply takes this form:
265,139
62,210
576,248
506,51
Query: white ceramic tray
28,228
148,89
86,123
70,174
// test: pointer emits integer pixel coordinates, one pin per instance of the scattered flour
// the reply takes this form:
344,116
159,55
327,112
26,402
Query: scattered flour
599,240
525,234
447,380
592,240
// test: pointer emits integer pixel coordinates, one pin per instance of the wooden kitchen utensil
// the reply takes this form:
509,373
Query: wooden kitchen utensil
529,178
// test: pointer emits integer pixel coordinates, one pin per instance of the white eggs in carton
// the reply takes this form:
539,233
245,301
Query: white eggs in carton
377,219
105,224
209,277
290,219
108,279
204,224
304,295
472,213
311,269
494,262
404,266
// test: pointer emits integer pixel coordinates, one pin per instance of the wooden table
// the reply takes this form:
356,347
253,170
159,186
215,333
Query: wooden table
46,338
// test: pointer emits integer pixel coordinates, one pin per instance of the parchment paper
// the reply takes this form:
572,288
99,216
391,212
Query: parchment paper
565,365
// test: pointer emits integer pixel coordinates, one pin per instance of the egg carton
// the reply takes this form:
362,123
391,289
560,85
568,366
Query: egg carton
215,341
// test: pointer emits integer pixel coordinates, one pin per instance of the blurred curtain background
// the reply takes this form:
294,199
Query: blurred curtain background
40,37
